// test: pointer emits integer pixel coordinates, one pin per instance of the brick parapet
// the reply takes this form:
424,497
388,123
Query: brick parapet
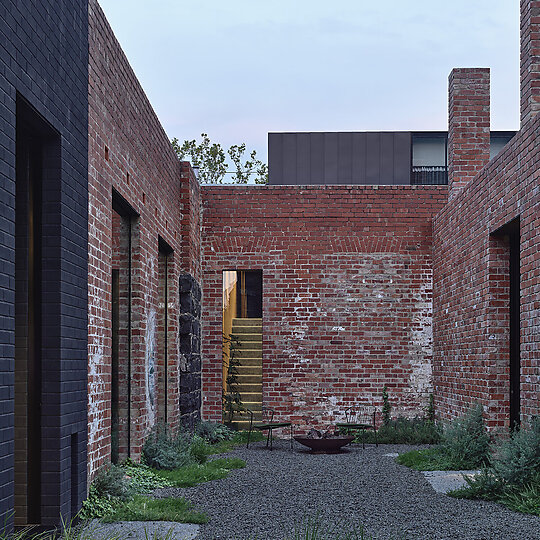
530,60
468,125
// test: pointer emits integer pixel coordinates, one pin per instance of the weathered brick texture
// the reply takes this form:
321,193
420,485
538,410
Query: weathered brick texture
468,126
347,294
130,153
530,59
471,330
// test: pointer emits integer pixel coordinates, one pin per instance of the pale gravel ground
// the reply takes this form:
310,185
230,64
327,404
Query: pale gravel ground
279,489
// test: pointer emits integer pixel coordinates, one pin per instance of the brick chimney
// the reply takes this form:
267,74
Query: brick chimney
530,59
468,125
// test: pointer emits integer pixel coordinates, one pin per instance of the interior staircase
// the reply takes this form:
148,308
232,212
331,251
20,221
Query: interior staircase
247,336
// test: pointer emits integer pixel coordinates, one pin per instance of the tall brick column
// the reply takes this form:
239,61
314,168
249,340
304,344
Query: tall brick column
468,125
530,59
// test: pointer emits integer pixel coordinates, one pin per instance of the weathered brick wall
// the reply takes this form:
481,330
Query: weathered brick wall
130,153
468,126
347,293
470,273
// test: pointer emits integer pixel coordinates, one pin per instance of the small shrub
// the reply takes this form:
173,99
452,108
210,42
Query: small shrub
214,433
142,478
162,450
466,442
403,431
386,408
111,482
518,459
430,409
199,449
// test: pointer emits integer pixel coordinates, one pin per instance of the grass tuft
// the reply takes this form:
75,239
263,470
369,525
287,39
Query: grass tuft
142,508
191,475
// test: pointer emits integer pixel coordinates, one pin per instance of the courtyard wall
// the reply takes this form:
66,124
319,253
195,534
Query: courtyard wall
347,293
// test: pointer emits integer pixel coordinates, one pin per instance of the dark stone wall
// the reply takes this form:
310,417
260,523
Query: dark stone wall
190,349
44,64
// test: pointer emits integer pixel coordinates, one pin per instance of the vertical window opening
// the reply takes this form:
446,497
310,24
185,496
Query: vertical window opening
242,345
123,216
164,257
37,144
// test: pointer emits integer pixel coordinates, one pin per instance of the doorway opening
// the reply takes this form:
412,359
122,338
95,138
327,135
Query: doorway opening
509,235
242,345
123,216
37,157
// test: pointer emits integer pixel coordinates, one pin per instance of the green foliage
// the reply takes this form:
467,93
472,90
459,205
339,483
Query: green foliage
143,479
403,431
165,450
466,442
199,449
95,507
111,482
513,478
518,459
211,160
430,409
142,508
232,401
386,408
213,433
430,459
239,438
195,474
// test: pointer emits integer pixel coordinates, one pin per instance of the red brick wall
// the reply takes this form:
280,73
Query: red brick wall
347,293
471,313
468,126
142,167
530,59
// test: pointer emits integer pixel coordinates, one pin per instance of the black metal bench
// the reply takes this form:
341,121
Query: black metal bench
268,425
355,420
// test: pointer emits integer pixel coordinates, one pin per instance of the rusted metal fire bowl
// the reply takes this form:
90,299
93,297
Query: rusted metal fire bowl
329,445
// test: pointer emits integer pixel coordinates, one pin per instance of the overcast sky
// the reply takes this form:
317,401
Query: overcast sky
241,68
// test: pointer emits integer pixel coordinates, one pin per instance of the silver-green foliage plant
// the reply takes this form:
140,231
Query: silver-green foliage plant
211,161
518,459
466,442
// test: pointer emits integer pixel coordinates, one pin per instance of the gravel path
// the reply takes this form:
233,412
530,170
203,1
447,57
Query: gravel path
281,488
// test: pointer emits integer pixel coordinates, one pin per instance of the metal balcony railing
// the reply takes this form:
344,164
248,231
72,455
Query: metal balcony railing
429,175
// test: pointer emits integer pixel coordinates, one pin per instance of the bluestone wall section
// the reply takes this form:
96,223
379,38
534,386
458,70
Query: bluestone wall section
347,294
44,65
131,154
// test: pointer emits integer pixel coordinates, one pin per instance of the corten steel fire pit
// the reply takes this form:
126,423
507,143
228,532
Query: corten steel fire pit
324,443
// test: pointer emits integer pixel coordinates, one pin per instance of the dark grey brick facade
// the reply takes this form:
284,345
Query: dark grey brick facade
44,70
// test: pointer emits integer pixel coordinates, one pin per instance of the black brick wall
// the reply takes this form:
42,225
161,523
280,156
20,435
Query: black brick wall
190,348
44,60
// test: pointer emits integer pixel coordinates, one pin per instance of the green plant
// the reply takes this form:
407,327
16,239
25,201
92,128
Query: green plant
403,431
430,409
386,408
232,401
213,433
466,442
142,478
142,508
111,482
513,478
518,459
195,474
164,450
199,449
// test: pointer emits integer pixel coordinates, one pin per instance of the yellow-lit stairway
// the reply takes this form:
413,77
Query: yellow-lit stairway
247,340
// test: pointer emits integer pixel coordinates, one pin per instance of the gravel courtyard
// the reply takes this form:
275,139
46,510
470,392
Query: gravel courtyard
279,489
